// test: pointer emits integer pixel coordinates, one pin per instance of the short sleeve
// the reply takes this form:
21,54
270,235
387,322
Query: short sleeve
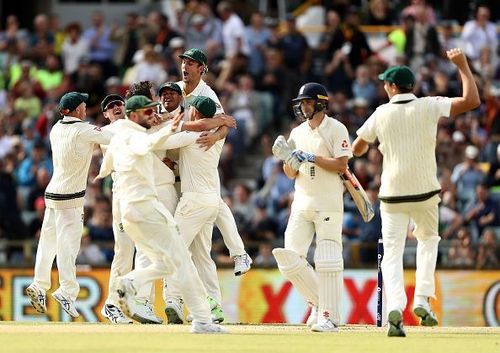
368,131
441,106
341,143
94,134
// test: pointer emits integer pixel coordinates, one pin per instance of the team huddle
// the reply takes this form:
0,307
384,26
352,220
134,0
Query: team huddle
150,147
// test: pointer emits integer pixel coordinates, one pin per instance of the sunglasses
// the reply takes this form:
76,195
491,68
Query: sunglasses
148,111
113,104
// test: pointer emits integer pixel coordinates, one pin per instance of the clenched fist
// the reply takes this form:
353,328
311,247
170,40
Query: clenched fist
457,57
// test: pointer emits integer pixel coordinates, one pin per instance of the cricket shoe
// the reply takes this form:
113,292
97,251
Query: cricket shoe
216,310
38,298
114,314
313,316
174,311
324,324
426,315
144,313
242,264
395,322
126,297
67,304
207,327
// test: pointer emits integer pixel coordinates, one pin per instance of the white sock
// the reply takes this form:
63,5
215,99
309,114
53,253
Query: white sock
421,300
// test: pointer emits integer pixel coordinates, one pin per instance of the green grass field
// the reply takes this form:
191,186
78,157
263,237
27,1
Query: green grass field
104,338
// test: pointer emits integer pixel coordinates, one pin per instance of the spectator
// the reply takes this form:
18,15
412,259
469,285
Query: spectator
379,13
488,256
479,33
163,33
493,176
42,39
363,87
148,67
483,212
265,257
129,39
101,48
422,7
467,175
233,31
421,39
26,173
74,48
90,253
27,101
461,254
256,35
51,77
36,223
359,49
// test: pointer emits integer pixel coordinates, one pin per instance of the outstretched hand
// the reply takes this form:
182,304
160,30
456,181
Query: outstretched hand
176,120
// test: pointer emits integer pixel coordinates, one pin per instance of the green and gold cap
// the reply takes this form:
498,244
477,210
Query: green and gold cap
402,76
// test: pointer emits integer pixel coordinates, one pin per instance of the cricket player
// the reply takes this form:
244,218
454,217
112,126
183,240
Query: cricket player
200,202
406,130
194,65
145,219
322,146
164,183
113,109
72,141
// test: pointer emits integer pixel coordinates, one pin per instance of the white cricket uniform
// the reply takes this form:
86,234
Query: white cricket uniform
164,182
146,220
124,249
318,207
406,128
72,141
225,219
199,204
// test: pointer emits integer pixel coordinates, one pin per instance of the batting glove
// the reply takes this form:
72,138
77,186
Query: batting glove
304,156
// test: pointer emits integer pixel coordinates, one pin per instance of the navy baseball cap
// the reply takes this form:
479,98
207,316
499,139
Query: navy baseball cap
111,98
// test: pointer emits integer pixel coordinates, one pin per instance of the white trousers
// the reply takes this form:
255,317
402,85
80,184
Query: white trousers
227,226
167,195
156,234
60,238
302,226
395,221
123,258
195,215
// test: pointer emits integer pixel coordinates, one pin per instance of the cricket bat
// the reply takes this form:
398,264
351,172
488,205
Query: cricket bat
358,195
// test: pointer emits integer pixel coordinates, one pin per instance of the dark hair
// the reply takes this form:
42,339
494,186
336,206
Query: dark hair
142,88
405,89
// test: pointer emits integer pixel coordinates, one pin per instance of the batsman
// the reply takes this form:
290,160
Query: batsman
315,154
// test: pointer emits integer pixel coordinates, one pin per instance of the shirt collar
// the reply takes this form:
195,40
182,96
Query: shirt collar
70,118
320,126
196,91
130,124
402,97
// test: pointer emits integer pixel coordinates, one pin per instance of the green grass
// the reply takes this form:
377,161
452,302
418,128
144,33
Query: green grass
103,338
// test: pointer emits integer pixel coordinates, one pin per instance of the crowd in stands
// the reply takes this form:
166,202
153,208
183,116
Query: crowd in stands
256,66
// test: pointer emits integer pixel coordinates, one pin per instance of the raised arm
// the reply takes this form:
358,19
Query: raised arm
470,95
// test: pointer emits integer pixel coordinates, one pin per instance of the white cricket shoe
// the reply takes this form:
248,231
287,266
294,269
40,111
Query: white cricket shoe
38,298
313,316
324,325
126,296
145,313
174,311
114,314
67,304
242,264
207,327
425,313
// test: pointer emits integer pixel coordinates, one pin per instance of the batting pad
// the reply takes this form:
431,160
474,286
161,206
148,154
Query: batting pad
298,271
329,266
